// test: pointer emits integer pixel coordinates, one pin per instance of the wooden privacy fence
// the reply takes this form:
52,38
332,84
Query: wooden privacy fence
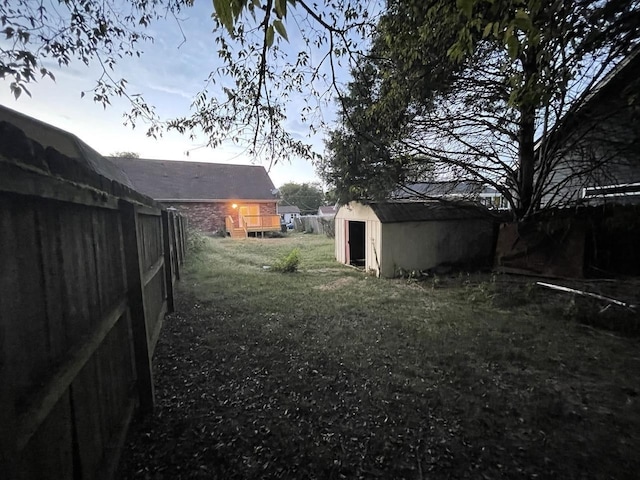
88,269
316,224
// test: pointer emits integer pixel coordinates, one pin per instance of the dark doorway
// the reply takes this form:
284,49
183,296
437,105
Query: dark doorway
356,244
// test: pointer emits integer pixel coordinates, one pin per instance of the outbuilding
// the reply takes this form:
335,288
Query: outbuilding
395,236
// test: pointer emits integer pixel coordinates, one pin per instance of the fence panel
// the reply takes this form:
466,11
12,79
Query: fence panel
151,245
84,289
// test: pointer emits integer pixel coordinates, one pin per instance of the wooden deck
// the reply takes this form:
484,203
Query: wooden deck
252,223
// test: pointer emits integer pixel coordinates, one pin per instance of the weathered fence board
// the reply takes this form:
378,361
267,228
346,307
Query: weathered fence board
86,280
134,256
169,276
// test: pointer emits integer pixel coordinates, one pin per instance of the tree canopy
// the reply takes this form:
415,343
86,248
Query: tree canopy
247,93
306,196
460,89
125,154
470,87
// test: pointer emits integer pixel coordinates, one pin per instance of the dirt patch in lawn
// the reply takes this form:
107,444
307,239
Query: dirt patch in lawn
457,378
336,284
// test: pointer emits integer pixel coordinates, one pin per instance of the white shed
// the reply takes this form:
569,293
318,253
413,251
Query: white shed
385,237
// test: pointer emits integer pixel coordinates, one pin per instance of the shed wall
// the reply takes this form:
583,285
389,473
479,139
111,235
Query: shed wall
373,239
425,245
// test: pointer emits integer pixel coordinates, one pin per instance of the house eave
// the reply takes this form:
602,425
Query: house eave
213,200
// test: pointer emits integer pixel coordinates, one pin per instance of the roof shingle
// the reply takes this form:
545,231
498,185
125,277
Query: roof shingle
282,209
179,180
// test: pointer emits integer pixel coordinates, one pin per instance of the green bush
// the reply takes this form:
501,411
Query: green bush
288,263
195,240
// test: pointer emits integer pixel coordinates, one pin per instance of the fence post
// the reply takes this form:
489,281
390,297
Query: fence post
135,286
168,264
183,232
180,238
174,242
183,238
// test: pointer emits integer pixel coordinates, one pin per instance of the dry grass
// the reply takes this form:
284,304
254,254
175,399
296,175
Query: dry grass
330,373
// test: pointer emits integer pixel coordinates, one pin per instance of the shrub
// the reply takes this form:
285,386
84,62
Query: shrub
288,263
195,240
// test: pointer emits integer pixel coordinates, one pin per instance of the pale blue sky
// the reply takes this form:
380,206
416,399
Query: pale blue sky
168,74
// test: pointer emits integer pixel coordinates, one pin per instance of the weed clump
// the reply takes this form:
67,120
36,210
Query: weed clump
196,241
288,263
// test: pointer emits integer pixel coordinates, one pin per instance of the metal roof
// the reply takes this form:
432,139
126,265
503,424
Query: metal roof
407,211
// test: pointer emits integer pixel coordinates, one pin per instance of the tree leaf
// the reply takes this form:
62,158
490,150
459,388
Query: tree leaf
466,6
513,47
281,8
270,36
487,30
279,26
224,13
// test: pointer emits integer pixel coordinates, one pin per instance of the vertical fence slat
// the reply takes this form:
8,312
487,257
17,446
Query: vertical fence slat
168,275
181,238
174,243
7,425
136,305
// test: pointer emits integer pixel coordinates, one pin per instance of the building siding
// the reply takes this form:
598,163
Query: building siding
209,217
420,245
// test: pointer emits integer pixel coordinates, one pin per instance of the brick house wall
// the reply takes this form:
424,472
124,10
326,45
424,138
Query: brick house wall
268,209
209,217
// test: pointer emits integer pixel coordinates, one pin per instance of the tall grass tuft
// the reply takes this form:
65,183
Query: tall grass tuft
289,263
196,241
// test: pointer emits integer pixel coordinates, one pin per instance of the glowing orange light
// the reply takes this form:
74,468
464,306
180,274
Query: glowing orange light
235,205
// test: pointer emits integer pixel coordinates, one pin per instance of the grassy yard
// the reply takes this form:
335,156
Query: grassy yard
330,373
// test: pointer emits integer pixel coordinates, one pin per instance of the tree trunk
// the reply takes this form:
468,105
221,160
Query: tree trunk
526,159
526,133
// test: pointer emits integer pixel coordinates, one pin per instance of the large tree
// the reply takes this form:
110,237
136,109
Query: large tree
306,196
471,85
475,81
247,94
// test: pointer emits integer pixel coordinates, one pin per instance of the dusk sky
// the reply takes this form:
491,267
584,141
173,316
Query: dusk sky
168,74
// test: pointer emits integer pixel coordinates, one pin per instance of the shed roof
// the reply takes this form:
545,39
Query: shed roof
287,209
179,180
64,142
407,211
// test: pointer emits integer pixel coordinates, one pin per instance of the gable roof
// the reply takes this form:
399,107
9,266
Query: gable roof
166,180
327,210
618,85
438,189
287,209
65,143
407,211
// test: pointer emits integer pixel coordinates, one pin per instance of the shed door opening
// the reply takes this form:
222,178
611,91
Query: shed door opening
356,244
